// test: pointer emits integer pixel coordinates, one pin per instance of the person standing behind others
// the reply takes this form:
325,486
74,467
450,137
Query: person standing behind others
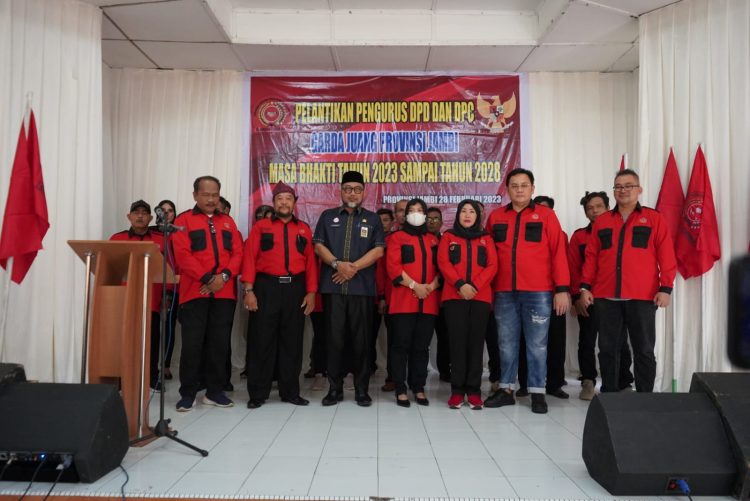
170,212
386,219
532,282
629,268
442,355
468,262
349,240
279,282
594,204
209,254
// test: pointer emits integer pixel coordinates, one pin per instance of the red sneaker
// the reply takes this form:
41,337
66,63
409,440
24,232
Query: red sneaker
475,402
456,401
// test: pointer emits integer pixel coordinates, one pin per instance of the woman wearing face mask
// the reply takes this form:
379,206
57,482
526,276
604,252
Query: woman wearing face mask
412,268
468,262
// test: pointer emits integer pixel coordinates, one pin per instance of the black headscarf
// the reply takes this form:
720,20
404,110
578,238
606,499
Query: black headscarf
475,231
415,230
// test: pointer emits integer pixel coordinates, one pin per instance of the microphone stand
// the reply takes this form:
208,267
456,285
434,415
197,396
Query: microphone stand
161,428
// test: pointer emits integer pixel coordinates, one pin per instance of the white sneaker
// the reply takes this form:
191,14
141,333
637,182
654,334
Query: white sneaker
588,390
319,383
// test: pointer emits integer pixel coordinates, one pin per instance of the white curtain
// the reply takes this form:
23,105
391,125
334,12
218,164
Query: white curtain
52,50
581,124
162,129
695,88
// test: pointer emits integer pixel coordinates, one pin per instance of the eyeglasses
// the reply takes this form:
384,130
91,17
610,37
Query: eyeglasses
433,219
352,189
524,186
625,187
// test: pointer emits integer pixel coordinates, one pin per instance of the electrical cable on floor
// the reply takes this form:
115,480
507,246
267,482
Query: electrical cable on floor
7,464
60,469
33,477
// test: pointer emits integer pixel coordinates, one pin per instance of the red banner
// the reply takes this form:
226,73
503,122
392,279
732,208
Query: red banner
440,138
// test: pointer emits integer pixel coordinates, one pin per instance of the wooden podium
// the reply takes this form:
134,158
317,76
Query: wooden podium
117,320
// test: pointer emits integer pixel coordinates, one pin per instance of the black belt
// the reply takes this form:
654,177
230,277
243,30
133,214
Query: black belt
287,279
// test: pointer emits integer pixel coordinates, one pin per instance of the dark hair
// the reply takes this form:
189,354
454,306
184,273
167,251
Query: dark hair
627,172
170,203
197,182
435,209
385,211
262,210
225,203
590,195
516,172
542,199
416,201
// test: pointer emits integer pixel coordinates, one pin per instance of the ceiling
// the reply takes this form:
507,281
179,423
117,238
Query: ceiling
374,35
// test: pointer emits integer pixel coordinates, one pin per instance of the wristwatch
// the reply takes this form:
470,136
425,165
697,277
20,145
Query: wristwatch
412,284
335,264
247,290
225,276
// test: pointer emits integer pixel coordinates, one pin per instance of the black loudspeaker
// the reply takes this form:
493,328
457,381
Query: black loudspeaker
83,427
730,393
11,373
642,443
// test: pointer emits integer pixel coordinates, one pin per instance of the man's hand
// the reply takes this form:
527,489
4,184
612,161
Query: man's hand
346,270
338,278
250,301
215,285
561,303
381,307
467,291
661,299
580,308
308,303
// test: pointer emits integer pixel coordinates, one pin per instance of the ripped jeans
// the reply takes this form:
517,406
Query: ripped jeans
531,310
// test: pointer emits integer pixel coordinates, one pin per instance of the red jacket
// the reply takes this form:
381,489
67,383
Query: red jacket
417,256
382,284
463,261
280,249
531,250
631,259
576,254
208,246
149,236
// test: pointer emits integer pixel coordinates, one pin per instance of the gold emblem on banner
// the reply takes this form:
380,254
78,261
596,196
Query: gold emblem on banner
271,112
497,112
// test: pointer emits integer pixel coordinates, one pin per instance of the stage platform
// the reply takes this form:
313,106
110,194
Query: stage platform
285,452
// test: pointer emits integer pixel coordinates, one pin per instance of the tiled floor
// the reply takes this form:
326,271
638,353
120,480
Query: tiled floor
347,451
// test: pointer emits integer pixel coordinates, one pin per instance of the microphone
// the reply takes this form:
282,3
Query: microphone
159,216
162,223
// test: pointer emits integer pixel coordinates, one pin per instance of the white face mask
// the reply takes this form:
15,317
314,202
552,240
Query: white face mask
416,218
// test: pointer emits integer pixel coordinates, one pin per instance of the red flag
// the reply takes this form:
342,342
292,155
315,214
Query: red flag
25,222
622,162
671,197
697,245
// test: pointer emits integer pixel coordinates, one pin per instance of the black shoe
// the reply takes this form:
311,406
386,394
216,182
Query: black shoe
363,400
559,393
333,398
243,374
445,376
499,399
522,392
310,373
254,403
538,403
229,387
296,400
388,386
156,386
421,400
402,403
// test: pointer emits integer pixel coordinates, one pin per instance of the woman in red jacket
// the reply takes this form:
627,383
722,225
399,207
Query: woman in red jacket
412,267
468,262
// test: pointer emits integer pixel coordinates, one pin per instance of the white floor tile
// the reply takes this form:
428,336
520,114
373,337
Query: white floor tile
204,483
546,487
414,467
361,486
537,468
469,468
415,485
478,487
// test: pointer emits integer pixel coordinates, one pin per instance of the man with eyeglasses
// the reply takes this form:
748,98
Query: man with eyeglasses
628,273
349,240
532,282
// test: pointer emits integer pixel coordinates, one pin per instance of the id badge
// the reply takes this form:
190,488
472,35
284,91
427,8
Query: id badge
364,231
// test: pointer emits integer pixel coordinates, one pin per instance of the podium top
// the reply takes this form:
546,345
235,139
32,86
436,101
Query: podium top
118,254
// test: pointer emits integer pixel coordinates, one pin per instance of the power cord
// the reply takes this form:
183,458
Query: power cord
7,465
33,477
684,487
60,470
127,479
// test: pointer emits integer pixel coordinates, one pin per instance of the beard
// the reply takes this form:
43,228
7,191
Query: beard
352,205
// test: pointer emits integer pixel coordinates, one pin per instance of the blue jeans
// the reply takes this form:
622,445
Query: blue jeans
531,310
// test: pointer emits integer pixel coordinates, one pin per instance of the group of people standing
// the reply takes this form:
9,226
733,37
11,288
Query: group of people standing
513,275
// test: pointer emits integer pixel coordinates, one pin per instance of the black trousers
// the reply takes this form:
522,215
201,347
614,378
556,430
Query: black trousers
443,354
640,319
206,328
318,355
348,323
388,345
412,333
493,348
154,357
275,334
377,318
587,350
466,322
555,355
171,333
